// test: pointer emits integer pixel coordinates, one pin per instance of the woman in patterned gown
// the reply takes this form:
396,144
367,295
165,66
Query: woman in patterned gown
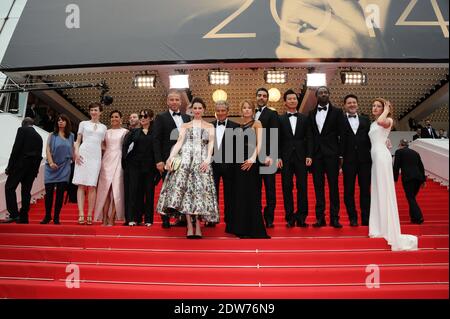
189,186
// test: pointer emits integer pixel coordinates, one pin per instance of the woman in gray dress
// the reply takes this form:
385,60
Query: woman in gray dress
189,186
59,152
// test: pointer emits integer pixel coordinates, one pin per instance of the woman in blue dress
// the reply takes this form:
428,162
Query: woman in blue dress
57,169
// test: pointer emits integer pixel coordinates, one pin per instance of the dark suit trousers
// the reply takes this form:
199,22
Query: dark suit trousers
24,177
141,190
127,199
329,167
271,201
411,190
363,171
226,172
295,167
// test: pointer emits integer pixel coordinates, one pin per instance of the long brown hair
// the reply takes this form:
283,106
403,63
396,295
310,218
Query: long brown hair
383,102
67,129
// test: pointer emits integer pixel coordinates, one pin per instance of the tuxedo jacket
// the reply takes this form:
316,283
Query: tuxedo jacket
26,152
426,133
356,147
162,129
298,142
222,149
268,119
327,143
410,163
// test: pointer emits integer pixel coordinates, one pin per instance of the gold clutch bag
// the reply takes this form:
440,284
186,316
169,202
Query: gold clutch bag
176,163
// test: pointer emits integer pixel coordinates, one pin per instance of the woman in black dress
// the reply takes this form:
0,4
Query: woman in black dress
245,220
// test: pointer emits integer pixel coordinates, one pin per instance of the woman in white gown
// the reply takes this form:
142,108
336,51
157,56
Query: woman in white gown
88,160
384,221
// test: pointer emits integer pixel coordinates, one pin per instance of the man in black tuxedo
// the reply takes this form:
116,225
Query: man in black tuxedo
166,129
413,177
295,147
357,160
269,120
428,131
23,168
325,125
224,149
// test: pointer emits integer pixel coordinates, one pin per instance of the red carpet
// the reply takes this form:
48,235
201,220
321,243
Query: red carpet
141,262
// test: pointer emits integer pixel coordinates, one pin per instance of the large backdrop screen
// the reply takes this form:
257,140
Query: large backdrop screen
83,32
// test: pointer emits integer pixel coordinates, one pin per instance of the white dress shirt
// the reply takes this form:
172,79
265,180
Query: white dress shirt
220,132
354,122
258,113
430,130
178,119
321,116
293,121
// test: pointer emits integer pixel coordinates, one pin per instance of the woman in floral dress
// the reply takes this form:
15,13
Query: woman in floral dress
189,186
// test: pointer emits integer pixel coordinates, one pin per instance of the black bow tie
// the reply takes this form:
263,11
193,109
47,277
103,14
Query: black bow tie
292,114
259,109
221,123
351,116
322,108
175,114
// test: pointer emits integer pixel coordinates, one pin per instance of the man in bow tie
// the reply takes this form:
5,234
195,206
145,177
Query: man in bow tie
270,123
357,160
224,149
166,129
295,156
428,131
325,127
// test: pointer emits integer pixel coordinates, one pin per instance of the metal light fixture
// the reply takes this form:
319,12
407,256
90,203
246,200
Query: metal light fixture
275,77
144,81
219,78
353,78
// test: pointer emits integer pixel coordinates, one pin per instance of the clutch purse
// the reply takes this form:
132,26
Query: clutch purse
176,163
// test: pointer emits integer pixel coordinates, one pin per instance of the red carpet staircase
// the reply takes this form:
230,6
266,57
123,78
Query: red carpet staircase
37,261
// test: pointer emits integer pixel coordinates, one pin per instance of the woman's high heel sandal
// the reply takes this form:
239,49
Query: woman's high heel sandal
191,236
81,220
194,222
89,220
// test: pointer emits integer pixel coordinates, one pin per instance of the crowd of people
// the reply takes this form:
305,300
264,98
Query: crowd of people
119,168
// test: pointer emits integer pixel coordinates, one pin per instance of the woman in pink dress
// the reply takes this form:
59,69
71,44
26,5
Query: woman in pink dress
109,205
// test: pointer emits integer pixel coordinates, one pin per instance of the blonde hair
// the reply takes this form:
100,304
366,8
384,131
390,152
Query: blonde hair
252,105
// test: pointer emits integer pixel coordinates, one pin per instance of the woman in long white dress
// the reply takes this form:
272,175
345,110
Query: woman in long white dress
88,159
384,221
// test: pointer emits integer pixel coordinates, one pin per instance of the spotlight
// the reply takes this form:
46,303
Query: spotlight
275,77
219,78
219,95
144,81
179,81
353,78
274,95
316,79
